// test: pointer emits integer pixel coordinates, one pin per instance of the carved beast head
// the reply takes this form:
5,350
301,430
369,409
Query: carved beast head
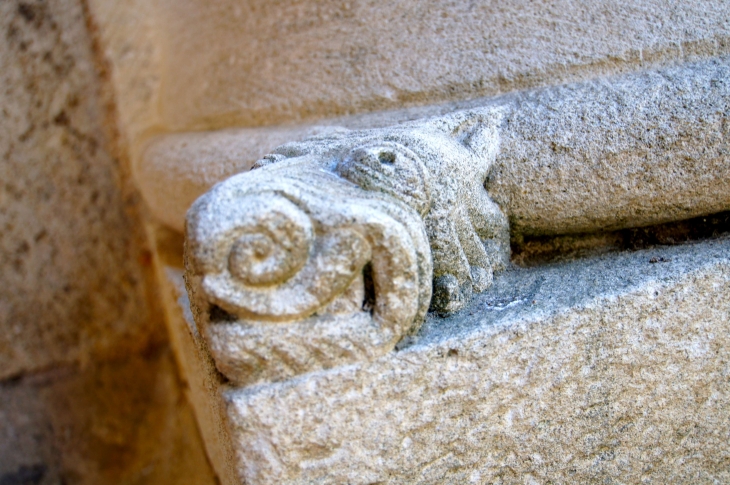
292,247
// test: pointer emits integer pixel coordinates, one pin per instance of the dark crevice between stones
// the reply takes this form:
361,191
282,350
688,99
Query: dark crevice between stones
217,315
537,250
25,475
369,300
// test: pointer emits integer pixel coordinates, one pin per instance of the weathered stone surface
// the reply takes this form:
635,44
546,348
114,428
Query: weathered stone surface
72,284
89,391
611,369
275,258
644,148
260,63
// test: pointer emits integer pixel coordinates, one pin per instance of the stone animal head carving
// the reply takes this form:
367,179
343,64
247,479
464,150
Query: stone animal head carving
439,169
331,249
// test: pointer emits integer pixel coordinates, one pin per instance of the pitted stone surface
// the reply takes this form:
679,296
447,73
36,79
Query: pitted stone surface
612,369
72,284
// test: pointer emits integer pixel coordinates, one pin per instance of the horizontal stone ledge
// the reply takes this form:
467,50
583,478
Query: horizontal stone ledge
611,368
616,153
628,151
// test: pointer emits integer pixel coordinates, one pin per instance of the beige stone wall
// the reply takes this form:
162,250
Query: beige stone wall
130,44
195,64
73,281
261,62
89,392
115,422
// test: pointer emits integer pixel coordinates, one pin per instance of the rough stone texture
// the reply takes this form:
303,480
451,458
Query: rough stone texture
646,148
254,63
73,278
275,258
620,408
605,370
195,363
112,423
94,396
633,151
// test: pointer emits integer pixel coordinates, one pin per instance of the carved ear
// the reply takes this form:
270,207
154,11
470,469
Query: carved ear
476,130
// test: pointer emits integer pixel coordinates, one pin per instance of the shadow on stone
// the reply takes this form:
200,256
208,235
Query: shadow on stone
537,250
26,475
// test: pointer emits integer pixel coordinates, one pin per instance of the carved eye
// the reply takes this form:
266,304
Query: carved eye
392,169
386,157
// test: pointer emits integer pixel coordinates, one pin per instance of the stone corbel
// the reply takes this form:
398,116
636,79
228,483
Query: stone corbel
332,249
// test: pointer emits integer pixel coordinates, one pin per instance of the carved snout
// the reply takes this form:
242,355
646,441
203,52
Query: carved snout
284,253
276,255
261,259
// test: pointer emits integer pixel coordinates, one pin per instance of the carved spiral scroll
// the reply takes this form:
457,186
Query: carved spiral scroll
268,264
274,245
274,248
